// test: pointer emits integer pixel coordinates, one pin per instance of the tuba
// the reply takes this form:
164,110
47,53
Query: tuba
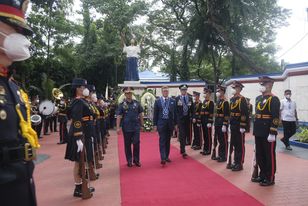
57,93
60,105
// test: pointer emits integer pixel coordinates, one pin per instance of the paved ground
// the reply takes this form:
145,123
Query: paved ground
54,182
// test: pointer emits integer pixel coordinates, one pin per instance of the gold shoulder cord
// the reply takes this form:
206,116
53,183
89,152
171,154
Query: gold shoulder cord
268,102
222,106
26,130
206,105
238,102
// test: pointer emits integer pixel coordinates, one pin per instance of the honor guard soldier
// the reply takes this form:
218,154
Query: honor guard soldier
18,140
62,119
265,131
238,124
184,110
196,120
207,114
221,125
130,112
164,122
94,165
79,147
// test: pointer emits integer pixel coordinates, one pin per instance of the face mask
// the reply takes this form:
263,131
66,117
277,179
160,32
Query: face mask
93,96
288,96
217,94
194,99
85,92
233,91
262,88
16,47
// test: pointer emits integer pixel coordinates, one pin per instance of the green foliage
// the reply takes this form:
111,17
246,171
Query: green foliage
303,135
188,39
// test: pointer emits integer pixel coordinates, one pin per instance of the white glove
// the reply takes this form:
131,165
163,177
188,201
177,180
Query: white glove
224,128
271,138
242,130
80,145
209,125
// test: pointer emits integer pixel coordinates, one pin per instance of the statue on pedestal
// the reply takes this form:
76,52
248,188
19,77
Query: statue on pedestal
132,54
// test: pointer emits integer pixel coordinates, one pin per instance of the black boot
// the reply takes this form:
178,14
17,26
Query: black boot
77,191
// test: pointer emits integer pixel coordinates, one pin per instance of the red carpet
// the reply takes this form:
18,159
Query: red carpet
183,182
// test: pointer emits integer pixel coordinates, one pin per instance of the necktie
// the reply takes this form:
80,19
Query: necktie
165,108
185,107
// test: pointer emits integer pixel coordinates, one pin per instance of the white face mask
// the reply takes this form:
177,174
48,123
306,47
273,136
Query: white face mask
16,47
233,91
262,88
86,92
288,96
217,94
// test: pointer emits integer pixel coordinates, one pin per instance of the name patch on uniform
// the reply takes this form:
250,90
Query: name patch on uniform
77,124
3,115
2,90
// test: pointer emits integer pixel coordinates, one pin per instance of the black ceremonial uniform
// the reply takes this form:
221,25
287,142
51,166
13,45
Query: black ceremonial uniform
184,119
197,125
81,128
16,181
207,114
265,123
239,117
222,118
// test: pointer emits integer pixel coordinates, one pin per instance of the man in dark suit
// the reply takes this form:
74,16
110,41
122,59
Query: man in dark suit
184,110
164,122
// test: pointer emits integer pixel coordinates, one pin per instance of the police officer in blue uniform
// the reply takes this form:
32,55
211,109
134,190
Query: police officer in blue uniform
130,112
184,110
17,139
164,122
265,131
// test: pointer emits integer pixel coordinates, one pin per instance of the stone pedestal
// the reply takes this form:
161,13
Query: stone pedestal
138,87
